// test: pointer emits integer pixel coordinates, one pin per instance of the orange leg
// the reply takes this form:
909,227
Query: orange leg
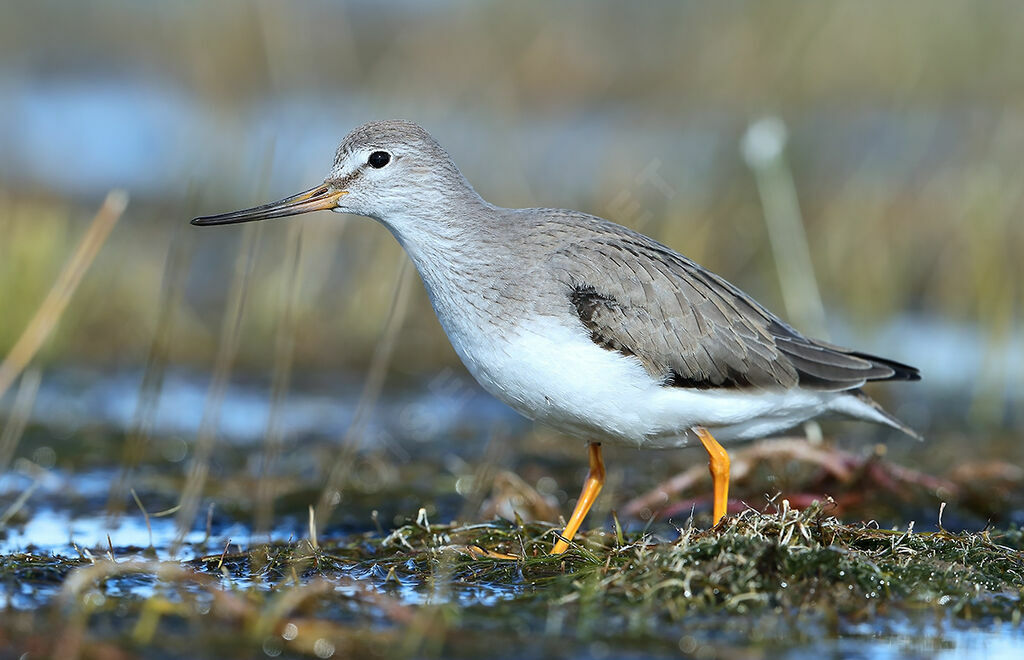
591,487
719,465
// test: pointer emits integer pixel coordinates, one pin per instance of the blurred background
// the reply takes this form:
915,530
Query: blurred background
906,135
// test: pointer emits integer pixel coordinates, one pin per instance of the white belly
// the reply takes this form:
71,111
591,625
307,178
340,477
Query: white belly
556,375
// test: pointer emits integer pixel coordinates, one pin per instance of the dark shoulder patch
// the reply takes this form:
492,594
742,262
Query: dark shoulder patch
586,299
589,304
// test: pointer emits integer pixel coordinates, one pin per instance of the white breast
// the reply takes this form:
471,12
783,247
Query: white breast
556,375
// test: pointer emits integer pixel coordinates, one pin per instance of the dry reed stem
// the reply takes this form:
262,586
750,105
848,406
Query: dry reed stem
376,373
176,268
764,148
284,352
56,301
227,349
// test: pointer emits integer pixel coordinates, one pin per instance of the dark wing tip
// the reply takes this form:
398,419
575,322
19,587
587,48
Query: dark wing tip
825,366
900,371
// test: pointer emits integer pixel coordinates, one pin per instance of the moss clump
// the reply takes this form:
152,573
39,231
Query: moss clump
810,561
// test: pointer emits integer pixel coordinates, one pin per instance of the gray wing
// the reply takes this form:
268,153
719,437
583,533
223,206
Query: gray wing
690,328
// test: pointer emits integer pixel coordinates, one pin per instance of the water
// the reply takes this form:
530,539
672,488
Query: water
443,406
51,531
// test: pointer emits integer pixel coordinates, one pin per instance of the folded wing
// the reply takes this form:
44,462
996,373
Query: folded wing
690,328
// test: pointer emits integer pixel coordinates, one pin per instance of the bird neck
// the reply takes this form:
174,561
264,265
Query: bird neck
452,222
458,252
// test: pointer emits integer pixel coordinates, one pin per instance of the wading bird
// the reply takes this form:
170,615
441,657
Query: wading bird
585,325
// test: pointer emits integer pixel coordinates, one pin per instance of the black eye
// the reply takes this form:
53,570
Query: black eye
379,159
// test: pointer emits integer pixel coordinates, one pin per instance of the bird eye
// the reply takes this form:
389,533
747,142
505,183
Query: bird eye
379,159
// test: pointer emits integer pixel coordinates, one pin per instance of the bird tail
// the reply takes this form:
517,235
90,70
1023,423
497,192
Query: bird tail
860,406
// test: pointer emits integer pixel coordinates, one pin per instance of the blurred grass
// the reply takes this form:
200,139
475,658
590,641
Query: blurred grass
933,228
233,51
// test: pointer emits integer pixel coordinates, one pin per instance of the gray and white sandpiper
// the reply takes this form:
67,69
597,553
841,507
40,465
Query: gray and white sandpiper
585,325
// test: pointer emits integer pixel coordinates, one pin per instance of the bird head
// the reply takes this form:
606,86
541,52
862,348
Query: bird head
383,170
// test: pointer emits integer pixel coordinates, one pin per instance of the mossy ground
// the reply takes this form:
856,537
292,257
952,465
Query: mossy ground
759,581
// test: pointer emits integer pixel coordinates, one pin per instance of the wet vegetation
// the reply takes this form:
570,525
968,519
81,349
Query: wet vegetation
791,577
